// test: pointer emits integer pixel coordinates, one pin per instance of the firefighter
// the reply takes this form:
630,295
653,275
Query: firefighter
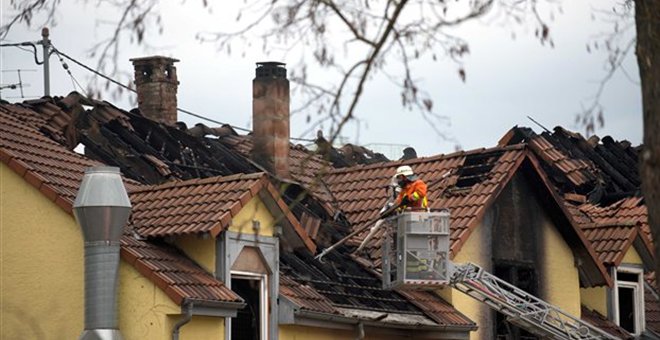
413,189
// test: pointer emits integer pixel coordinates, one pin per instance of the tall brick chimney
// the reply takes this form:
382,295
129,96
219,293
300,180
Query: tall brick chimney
156,84
270,118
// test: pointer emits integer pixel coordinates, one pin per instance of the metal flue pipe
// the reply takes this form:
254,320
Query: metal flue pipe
101,208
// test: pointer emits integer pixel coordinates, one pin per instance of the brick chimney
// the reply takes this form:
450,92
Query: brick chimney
156,84
270,118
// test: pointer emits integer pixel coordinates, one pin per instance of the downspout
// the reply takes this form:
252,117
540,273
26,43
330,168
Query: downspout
360,330
187,316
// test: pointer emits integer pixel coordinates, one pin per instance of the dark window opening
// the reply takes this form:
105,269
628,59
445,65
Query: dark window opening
627,309
524,277
246,324
629,277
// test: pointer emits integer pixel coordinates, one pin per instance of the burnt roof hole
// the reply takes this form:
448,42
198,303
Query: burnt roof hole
476,168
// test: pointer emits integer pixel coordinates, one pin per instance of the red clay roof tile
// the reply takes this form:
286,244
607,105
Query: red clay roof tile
177,275
600,321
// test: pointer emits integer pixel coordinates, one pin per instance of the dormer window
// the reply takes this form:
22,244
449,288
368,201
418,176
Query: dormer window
628,299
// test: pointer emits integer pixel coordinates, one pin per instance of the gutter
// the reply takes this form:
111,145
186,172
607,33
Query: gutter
348,320
191,307
187,316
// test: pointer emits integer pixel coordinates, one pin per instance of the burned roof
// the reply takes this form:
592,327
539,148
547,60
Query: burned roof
600,183
56,172
146,151
464,182
346,284
467,183
603,170
165,162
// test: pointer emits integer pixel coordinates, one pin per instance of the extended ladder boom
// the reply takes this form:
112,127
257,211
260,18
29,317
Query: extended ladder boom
521,308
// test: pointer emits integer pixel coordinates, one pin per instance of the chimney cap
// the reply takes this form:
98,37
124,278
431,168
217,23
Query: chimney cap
142,60
270,63
270,69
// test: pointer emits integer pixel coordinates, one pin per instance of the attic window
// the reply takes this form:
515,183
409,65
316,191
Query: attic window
476,169
629,299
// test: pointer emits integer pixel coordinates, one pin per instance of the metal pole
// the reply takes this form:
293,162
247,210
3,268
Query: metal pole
45,43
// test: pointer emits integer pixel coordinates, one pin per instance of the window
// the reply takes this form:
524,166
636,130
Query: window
251,322
628,299
523,276
251,263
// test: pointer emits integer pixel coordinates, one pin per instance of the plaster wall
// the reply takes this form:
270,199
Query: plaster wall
41,276
254,210
476,250
559,278
632,257
595,298
199,249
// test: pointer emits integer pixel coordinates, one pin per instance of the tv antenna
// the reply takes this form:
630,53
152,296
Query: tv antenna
17,85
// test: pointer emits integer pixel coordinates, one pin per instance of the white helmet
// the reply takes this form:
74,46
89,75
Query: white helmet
404,170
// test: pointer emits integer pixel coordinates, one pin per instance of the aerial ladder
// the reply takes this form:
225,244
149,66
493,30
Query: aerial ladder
520,307
415,252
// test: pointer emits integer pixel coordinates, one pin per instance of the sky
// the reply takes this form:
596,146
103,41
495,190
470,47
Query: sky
508,79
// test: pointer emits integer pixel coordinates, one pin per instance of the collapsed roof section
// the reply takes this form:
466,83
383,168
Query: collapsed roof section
600,184
37,142
467,183
57,172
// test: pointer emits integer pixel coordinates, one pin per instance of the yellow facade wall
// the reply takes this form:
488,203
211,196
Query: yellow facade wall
200,327
295,332
595,298
41,272
632,257
200,250
145,312
475,250
560,283
42,277
143,307
255,209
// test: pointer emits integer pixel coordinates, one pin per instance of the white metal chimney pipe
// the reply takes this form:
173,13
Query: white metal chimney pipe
101,208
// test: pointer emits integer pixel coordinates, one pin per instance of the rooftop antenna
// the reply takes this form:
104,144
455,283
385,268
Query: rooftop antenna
539,124
20,85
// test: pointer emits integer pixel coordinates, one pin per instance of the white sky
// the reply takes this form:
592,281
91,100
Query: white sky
507,79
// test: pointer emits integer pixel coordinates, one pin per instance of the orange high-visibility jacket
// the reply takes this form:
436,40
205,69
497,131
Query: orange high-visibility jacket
416,193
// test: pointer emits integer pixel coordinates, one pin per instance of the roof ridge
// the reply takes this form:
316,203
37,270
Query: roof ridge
199,181
433,158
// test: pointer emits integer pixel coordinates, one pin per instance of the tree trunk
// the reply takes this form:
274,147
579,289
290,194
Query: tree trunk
647,19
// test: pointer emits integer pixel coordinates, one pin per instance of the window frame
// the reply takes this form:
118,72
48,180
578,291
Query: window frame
638,290
263,299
